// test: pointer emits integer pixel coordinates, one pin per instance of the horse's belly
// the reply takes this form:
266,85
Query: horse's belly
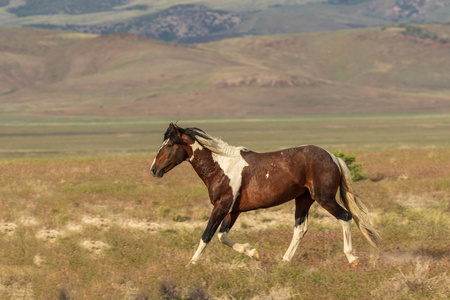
269,195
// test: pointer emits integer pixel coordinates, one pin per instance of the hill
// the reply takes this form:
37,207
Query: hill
197,21
395,69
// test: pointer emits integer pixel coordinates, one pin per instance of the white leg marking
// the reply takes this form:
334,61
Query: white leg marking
232,167
241,248
348,248
198,253
299,232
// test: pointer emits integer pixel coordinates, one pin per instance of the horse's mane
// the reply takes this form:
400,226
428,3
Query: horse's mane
207,141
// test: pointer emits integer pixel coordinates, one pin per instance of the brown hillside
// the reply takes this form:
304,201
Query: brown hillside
379,70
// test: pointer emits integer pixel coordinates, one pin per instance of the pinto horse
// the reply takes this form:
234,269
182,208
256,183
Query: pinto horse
239,180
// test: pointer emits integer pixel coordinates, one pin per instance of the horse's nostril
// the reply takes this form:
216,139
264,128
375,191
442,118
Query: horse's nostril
155,171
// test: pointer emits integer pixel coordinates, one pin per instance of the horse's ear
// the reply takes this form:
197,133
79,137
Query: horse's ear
175,129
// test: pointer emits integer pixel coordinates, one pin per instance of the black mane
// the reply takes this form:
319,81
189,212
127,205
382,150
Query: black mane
193,132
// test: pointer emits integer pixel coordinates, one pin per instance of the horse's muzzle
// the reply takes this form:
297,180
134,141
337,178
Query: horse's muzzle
157,172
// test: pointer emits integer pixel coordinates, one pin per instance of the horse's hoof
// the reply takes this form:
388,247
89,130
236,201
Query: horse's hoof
354,263
256,254
191,263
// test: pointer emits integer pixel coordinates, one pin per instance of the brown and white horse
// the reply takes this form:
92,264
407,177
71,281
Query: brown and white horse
240,180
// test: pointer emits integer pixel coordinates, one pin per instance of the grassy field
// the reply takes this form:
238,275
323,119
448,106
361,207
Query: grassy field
22,137
81,217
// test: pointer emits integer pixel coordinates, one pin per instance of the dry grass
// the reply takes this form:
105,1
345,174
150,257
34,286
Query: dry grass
102,227
92,228
417,284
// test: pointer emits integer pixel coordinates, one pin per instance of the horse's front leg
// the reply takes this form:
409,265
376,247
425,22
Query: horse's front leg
227,223
218,213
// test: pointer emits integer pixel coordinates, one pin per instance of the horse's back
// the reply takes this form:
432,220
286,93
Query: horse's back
291,159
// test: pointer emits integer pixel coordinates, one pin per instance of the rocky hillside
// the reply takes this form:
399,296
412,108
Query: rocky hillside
195,21
404,10
189,23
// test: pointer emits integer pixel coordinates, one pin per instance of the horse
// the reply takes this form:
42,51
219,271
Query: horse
240,180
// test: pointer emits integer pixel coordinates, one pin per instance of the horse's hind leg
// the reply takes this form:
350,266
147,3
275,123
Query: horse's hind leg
302,205
227,223
345,218
348,247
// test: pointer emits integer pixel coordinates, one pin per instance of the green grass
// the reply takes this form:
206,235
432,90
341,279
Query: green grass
42,137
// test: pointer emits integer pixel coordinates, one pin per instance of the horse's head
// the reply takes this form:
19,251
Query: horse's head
173,151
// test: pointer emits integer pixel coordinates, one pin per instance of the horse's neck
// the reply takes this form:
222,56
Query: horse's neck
205,166
214,168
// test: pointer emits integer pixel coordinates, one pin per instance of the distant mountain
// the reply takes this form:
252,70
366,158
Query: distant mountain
188,23
389,69
70,7
202,21
409,10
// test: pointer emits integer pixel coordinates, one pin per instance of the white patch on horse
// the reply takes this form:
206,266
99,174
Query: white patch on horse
267,175
232,167
163,144
195,146
229,159
334,158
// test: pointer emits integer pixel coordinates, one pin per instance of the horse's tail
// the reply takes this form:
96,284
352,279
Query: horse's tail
358,210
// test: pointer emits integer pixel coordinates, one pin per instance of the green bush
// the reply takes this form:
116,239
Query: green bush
355,169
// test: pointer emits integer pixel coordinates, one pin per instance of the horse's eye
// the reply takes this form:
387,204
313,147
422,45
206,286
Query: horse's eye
169,145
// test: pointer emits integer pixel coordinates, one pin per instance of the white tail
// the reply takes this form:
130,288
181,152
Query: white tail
359,211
